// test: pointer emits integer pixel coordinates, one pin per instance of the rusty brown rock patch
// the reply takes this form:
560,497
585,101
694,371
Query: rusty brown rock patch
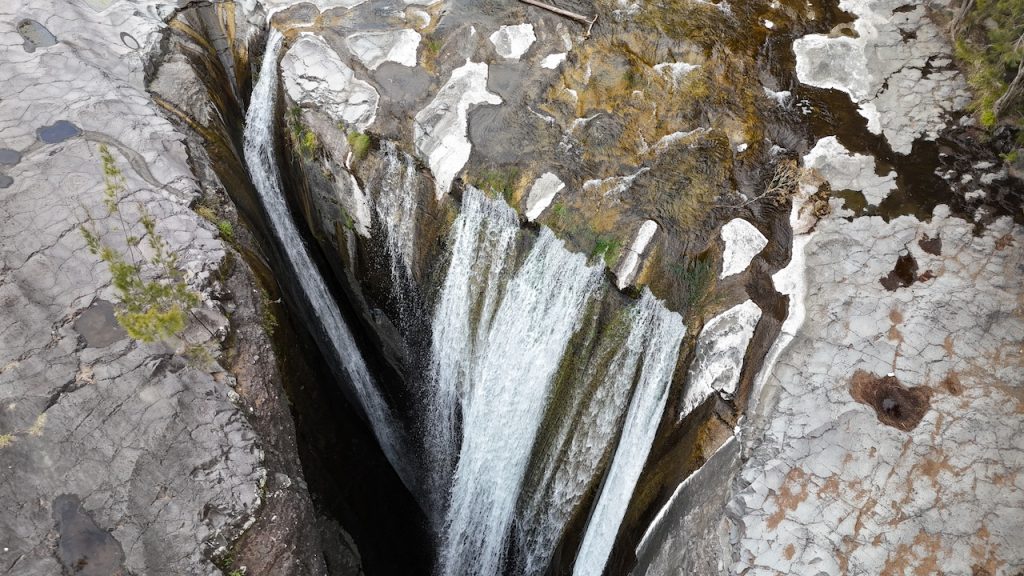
931,245
894,404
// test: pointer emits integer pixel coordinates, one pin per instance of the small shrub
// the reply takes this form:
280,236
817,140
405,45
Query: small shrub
226,231
6,440
199,356
360,144
206,213
267,317
989,42
308,142
697,278
154,297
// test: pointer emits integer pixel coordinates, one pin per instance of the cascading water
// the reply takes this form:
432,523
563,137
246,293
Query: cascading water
259,156
499,338
584,437
395,205
665,331
482,239
503,387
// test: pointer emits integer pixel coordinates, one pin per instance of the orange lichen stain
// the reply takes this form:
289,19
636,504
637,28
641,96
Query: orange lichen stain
829,488
897,562
1008,479
787,500
951,383
869,509
895,316
986,563
948,344
1004,241
919,559
933,466
932,546
896,319
789,552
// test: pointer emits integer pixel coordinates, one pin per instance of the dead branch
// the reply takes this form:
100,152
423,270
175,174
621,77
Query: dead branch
566,13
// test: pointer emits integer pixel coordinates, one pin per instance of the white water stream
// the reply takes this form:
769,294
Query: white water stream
664,334
499,338
259,156
501,372
395,205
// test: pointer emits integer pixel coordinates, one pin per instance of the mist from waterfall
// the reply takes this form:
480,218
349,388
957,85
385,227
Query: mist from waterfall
482,241
507,467
263,168
500,336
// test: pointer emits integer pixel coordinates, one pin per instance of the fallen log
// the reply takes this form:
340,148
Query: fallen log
563,12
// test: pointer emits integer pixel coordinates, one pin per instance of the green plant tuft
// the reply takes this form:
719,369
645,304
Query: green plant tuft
498,181
608,248
227,231
360,144
697,278
154,297
267,317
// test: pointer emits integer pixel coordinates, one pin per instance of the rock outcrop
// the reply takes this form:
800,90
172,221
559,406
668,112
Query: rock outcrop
118,456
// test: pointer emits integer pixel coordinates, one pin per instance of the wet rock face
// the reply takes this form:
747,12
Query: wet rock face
902,275
98,325
895,404
84,548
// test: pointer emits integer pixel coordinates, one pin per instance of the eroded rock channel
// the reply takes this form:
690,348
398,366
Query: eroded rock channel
486,288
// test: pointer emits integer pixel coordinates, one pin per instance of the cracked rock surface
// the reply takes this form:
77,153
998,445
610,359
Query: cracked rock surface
831,489
115,456
905,89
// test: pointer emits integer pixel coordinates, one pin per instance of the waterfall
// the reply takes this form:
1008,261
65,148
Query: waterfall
482,239
395,205
582,440
259,156
499,375
664,334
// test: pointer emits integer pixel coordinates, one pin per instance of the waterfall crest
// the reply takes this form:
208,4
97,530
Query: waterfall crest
482,240
395,206
583,438
502,376
259,157
664,331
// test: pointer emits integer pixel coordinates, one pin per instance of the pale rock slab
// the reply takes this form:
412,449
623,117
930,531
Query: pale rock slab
552,61
845,170
677,71
148,444
830,488
511,42
883,70
376,48
629,264
314,74
440,127
541,194
719,355
743,241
